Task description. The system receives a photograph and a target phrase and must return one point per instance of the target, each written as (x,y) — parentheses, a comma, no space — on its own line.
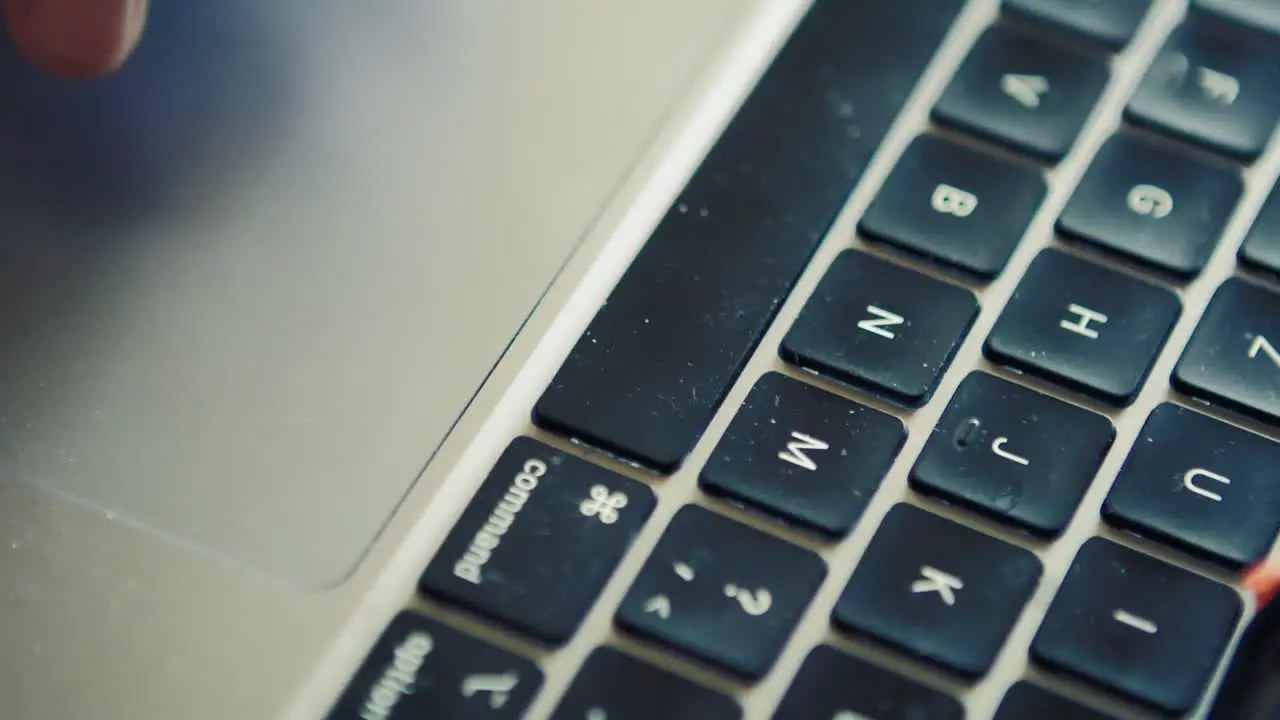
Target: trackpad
(247,285)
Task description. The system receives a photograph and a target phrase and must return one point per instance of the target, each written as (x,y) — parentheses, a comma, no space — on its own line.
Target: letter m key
(1264,347)
(798,449)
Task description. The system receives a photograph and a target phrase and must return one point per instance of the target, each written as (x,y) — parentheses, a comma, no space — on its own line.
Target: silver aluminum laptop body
(275,298)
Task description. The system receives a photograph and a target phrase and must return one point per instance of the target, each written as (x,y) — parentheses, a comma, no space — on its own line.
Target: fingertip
(76,38)
(1263,581)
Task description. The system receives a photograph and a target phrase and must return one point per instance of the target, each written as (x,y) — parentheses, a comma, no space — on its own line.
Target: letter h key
(1083,316)
(1089,328)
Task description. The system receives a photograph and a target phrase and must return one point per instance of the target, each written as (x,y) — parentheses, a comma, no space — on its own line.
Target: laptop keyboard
(1146,609)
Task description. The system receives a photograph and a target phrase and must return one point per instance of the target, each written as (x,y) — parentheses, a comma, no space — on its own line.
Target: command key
(539,541)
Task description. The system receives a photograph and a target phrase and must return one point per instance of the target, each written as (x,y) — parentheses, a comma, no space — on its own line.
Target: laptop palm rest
(248,285)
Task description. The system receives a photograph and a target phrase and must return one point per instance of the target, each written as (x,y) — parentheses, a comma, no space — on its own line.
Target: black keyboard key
(1137,626)
(539,540)
(721,592)
(881,327)
(807,455)
(1014,454)
(1111,23)
(421,668)
(955,206)
(656,362)
(1156,205)
(1263,14)
(1024,92)
(832,684)
(1261,248)
(937,590)
(1201,485)
(1233,358)
(1025,700)
(1213,84)
(615,686)
(1093,330)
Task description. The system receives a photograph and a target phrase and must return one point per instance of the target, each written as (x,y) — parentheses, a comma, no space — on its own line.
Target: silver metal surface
(251,283)
(247,287)
(141,628)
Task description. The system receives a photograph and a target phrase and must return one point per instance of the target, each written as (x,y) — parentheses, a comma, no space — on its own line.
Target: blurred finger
(79,38)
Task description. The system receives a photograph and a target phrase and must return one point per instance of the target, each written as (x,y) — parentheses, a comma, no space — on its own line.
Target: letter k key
(934,580)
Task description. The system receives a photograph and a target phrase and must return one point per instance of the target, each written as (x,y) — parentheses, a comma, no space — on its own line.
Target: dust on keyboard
(1143,615)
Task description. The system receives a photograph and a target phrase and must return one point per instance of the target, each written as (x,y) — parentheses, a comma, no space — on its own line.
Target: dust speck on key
(1008,498)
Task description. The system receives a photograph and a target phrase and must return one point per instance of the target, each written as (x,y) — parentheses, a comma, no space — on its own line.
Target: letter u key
(1189,482)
